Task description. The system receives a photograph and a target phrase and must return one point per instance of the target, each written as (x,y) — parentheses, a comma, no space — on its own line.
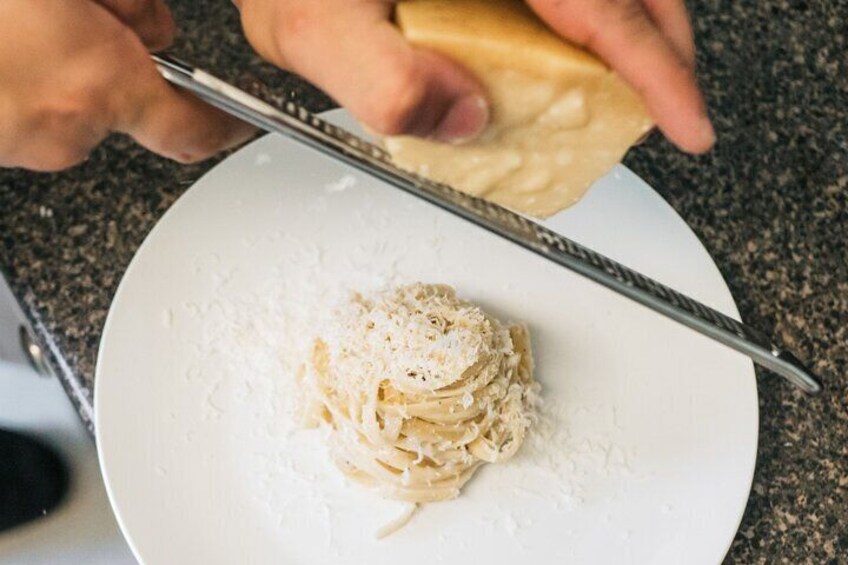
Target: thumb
(444,101)
(353,52)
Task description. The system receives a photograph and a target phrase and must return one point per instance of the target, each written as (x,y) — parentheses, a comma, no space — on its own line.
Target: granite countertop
(770,203)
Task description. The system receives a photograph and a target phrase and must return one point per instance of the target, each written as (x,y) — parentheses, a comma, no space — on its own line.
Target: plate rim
(341,114)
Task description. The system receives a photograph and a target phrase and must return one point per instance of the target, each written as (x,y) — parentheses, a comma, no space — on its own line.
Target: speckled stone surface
(770,203)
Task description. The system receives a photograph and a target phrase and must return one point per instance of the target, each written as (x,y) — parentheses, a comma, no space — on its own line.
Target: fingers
(350,49)
(622,33)
(180,127)
(672,19)
(49,147)
(165,121)
(133,99)
(173,123)
(150,19)
(93,77)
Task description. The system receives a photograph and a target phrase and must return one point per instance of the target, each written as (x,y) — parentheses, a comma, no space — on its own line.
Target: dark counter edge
(80,397)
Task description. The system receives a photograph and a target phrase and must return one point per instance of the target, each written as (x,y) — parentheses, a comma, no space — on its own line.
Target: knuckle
(56,158)
(295,28)
(73,113)
(61,134)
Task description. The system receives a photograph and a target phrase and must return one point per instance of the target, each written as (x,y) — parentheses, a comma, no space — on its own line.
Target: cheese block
(560,117)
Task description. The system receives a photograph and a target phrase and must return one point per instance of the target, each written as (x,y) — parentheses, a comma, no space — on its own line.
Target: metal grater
(297,123)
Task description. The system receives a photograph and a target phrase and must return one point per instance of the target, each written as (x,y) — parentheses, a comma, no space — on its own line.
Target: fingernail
(464,121)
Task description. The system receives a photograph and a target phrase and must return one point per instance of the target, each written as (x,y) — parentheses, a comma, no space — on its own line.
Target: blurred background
(81,529)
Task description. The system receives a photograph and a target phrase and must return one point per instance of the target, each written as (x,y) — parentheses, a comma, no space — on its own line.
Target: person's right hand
(72,71)
(351,50)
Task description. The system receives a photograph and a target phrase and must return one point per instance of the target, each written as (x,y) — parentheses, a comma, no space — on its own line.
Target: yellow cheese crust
(560,117)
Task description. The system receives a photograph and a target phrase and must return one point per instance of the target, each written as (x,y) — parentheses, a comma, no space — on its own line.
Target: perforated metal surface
(297,123)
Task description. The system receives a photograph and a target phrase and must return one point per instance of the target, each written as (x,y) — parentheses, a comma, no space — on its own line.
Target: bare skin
(350,49)
(60,98)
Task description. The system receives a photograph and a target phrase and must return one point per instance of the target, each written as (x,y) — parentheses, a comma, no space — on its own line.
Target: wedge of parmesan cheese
(560,118)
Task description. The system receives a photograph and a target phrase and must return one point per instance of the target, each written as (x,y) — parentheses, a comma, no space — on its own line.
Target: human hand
(351,50)
(72,71)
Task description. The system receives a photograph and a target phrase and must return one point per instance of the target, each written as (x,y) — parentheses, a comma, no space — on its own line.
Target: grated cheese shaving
(420,388)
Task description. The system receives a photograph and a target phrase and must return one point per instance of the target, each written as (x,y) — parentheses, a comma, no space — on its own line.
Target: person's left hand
(73,71)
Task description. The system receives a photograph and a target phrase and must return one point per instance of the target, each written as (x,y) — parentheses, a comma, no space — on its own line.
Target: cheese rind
(560,117)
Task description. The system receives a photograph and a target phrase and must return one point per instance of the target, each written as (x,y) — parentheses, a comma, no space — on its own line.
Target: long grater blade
(295,122)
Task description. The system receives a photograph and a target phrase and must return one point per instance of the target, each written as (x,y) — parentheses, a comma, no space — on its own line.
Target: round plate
(644,451)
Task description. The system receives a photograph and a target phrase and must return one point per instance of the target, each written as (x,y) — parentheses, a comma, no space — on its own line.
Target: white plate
(649,436)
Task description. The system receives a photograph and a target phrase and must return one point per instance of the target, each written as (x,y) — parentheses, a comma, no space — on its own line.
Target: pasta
(419,388)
